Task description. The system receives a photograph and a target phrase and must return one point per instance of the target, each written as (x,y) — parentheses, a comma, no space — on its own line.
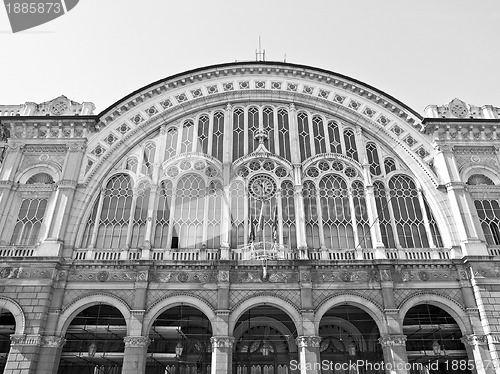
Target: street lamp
(352,349)
(178,349)
(92,349)
(436,347)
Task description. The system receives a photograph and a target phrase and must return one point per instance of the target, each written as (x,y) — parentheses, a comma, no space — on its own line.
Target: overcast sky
(421,52)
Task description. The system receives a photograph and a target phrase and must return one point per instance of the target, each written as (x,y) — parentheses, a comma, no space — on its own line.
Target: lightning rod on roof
(260,55)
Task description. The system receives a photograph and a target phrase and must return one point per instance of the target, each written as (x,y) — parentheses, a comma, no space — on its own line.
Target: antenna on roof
(260,55)
(285,58)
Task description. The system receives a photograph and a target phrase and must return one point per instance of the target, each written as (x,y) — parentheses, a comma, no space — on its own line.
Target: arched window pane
(489,215)
(333,133)
(373,160)
(218,136)
(284,134)
(214,214)
(115,213)
(267,207)
(189,211)
(203,127)
(140,216)
(335,213)
(89,228)
(319,135)
(132,164)
(187,137)
(163,215)
(29,221)
(171,145)
(384,217)
(237,214)
(350,144)
(389,165)
(304,142)
(436,235)
(268,125)
(288,214)
(238,134)
(407,212)
(253,127)
(361,215)
(311,215)
(148,159)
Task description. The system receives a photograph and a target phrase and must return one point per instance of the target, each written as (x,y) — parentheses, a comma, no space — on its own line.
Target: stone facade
(60,159)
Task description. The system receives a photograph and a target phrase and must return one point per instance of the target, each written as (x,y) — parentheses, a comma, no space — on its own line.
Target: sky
(421,52)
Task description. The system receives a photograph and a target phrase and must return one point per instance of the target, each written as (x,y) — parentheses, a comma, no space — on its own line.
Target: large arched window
(253,127)
(187,137)
(214,214)
(288,215)
(238,217)
(350,144)
(311,215)
(319,135)
(304,142)
(29,221)
(203,134)
(284,134)
(238,133)
(140,215)
(115,213)
(171,146)
(148,158)
(218,135)
(162,223)
(189,211)
(268,125)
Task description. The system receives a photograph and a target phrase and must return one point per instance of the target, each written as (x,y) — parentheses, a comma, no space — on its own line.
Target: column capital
(136,341)
(392,340)
(474,339)
(52,341)
(222,341)
(308,341)
(25,340)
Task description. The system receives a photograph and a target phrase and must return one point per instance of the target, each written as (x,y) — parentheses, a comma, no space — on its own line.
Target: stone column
(135,354)
(395,358)
(50,354)
(23,354)
(479,355)
(309,357)
(222,354)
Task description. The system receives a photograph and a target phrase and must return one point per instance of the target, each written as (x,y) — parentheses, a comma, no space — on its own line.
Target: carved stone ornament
(136,341)
(53,341)
(392,340)
(222,341)
(29,340)
(278,278)
(474,339)
(103,276)
(308,341)
(223,276)
(423,275)
(183,277)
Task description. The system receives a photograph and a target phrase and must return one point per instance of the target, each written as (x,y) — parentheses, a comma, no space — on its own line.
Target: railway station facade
(249,218)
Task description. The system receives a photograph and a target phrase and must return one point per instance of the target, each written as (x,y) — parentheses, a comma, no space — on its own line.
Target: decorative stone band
(136,341)
(392,340)
(474,339)
(25,340)
(222,341)
(308,341)
(53,341)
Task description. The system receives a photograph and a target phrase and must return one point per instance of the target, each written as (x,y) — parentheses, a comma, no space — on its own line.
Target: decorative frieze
(53,341)
(222,341)
(25,340)
(136,341)
(308,341)
(474,339)
(392,340)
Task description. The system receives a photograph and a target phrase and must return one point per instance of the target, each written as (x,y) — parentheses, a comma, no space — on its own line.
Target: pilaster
(309,354)
(477,352)
(395,357)
(135,354)
(23,354)
(50,354)
(222,354)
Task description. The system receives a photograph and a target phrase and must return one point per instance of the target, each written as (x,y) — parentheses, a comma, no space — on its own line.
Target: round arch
(90,300)
(174,301)
(366,305)
(487,171)
(37,169)
(283,305)
(351,328)
(442,302)
(16,311)
(279,326)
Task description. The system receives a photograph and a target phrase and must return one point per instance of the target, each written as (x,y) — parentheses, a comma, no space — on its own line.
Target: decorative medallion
(59,106)
(103,276)
(262,187)
(183,277)
(458,108)
(423,275)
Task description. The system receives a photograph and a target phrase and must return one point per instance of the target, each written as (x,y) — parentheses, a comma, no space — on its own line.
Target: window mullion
(131,218)
(327,135)
(393,220)
(319,212)
(353,217)
(210,133)
(427,225)
(171,218)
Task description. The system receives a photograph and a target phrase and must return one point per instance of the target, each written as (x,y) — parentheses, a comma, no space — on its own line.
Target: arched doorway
(94,342)
(7,328)
(349,335)
(264,342)
(180,342)
(433,341)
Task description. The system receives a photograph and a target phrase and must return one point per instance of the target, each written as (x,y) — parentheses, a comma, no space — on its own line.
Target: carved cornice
(474,340)
(222,341)
(308,341)
(136,341)
(392,340)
